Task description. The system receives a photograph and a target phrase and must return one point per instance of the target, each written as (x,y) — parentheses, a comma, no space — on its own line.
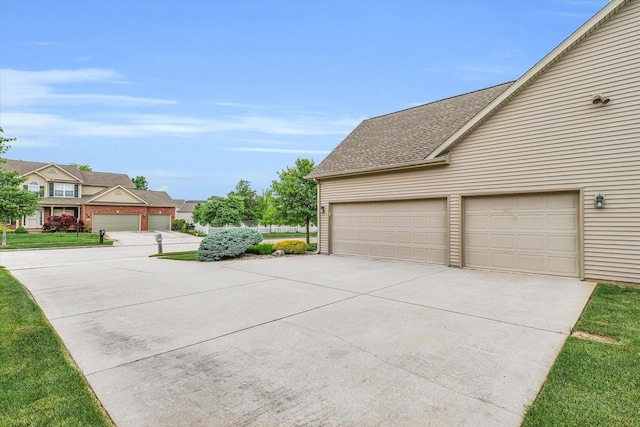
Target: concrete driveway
(308,340)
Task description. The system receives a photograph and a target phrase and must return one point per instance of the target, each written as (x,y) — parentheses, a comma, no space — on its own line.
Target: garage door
(159,222)
(116,222)
(408,230)
(535,233)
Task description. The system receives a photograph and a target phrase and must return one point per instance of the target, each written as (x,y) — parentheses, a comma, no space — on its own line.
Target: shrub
(179,225)
(227,243)
(21,230)
(263,249)
(62,223)
(291,246)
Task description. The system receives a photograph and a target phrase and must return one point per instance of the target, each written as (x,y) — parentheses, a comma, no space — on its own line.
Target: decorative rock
(278,253)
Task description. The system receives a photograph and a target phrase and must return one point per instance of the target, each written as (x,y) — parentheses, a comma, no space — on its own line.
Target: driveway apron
(306,340)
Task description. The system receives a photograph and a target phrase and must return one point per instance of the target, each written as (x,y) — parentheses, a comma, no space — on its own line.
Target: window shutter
(51,189)
(75,191)
(25,187)
(41,191)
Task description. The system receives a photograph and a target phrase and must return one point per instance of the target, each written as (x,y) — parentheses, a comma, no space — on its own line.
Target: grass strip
(178,256)
(595,383)
(52,240)
(40,384)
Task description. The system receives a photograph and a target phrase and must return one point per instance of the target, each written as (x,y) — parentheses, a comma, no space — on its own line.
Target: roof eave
(527,78)
(440,161)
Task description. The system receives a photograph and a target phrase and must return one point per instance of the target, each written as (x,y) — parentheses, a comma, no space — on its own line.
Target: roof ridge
(439,100)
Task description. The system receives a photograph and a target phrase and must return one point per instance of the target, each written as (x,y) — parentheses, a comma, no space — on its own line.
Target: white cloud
(40,88)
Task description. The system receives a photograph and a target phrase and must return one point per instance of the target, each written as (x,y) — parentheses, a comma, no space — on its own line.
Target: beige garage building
(540,175)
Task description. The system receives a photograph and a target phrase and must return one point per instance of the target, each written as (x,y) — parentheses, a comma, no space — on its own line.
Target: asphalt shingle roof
(104,179)
(405,136)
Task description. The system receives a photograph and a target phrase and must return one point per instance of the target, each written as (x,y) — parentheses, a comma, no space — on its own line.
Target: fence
(263,229)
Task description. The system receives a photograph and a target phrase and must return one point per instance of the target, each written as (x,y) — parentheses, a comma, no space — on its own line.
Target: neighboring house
(541,175)
(185,208)
(102,200)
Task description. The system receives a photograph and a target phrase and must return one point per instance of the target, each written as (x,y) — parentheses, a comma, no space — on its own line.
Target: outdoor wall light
(321,209)
(600,99)
(599,202)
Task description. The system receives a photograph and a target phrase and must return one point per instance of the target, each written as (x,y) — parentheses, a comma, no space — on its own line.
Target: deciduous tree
(219,211)
(140,182)
(85,168)
(15,202)
(295,197)
(249,199)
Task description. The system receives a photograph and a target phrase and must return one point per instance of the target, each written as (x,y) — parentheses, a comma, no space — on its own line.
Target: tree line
(291,200)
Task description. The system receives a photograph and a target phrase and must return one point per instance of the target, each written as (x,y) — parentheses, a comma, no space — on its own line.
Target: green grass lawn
(52,240)
(178,256)
(39,383)
(595,383)
(193,255)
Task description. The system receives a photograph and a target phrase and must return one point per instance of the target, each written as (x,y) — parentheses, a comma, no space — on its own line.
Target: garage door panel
(562,222)
(531,243)
(409,230)
(437,239)
(116,222)
(531,222)
(420,237)
(562,243)
(535,233)
(159,222)
(375,221)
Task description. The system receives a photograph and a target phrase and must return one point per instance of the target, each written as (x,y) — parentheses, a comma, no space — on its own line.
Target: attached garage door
(408,230)
(116,222)
(159,222)
(534,233)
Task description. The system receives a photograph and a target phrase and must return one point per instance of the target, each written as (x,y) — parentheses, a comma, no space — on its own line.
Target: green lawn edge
(52,240)
(593,383)
(40,385)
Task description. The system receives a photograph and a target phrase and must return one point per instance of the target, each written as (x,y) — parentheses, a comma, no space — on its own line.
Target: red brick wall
(144,211)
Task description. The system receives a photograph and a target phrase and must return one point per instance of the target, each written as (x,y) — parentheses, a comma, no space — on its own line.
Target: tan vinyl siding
(550,138)
(90,190)
(117,196)
(455,247)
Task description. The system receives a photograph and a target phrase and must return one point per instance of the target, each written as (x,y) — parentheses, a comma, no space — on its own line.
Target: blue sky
(198,94)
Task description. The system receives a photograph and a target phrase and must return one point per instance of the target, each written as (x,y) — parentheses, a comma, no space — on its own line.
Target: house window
(34,187)
(63,190)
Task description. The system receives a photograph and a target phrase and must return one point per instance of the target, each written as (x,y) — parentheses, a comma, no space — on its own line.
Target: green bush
(179,225)
(312,247)
(291,246)
(227,243)
(263,249)
(21,230)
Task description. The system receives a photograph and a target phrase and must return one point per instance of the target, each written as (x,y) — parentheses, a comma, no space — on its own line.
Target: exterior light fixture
(599,202)
(321,209)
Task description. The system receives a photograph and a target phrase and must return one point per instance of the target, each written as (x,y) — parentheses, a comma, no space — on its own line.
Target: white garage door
(533,233)
(159,222)
(116,222)
(408,230)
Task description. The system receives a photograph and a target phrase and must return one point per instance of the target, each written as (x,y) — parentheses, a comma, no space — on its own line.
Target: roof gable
(117,194)
(613,7)
(423,135)
(53,172)
(405,136)
(69,173)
